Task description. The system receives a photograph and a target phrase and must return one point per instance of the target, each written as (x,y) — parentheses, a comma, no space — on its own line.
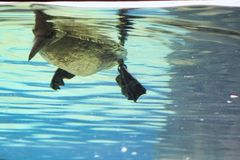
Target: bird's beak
(39,42)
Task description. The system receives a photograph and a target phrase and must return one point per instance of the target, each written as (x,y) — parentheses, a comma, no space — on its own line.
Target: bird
(78,49)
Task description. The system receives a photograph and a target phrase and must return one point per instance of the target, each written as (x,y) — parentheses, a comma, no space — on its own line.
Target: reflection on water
(186,57)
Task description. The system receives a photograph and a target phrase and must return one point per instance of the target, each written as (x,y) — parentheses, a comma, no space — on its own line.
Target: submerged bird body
(81,57)
(79,49)
(81,53)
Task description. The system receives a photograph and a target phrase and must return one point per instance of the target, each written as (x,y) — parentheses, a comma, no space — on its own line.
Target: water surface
(187,58)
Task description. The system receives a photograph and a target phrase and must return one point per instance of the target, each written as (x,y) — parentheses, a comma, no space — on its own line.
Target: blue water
(187,58)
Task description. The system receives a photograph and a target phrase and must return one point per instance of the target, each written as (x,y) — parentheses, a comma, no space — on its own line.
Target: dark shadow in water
(206,120)
(125,24)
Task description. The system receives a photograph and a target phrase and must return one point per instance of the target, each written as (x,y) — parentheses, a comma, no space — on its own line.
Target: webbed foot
(130,87)
(58,77)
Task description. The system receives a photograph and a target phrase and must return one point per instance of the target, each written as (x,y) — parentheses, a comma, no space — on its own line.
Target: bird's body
(82,57)
(79,49)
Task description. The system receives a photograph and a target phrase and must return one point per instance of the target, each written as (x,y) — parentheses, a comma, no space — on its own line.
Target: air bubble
(134,153)
(234,96)
(124,149)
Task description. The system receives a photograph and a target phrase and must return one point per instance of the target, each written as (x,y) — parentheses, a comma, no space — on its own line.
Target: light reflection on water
(186,57)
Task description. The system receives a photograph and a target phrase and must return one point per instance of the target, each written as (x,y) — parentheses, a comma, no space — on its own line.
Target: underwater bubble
(124,149)
(234,96)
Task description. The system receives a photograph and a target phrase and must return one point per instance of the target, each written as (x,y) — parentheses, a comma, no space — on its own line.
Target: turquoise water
(187,58)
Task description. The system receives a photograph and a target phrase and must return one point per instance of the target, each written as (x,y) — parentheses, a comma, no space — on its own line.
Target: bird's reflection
(78,49)
(124,25)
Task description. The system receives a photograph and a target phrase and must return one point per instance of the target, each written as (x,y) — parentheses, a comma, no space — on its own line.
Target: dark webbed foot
(58,77)
(130,87)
